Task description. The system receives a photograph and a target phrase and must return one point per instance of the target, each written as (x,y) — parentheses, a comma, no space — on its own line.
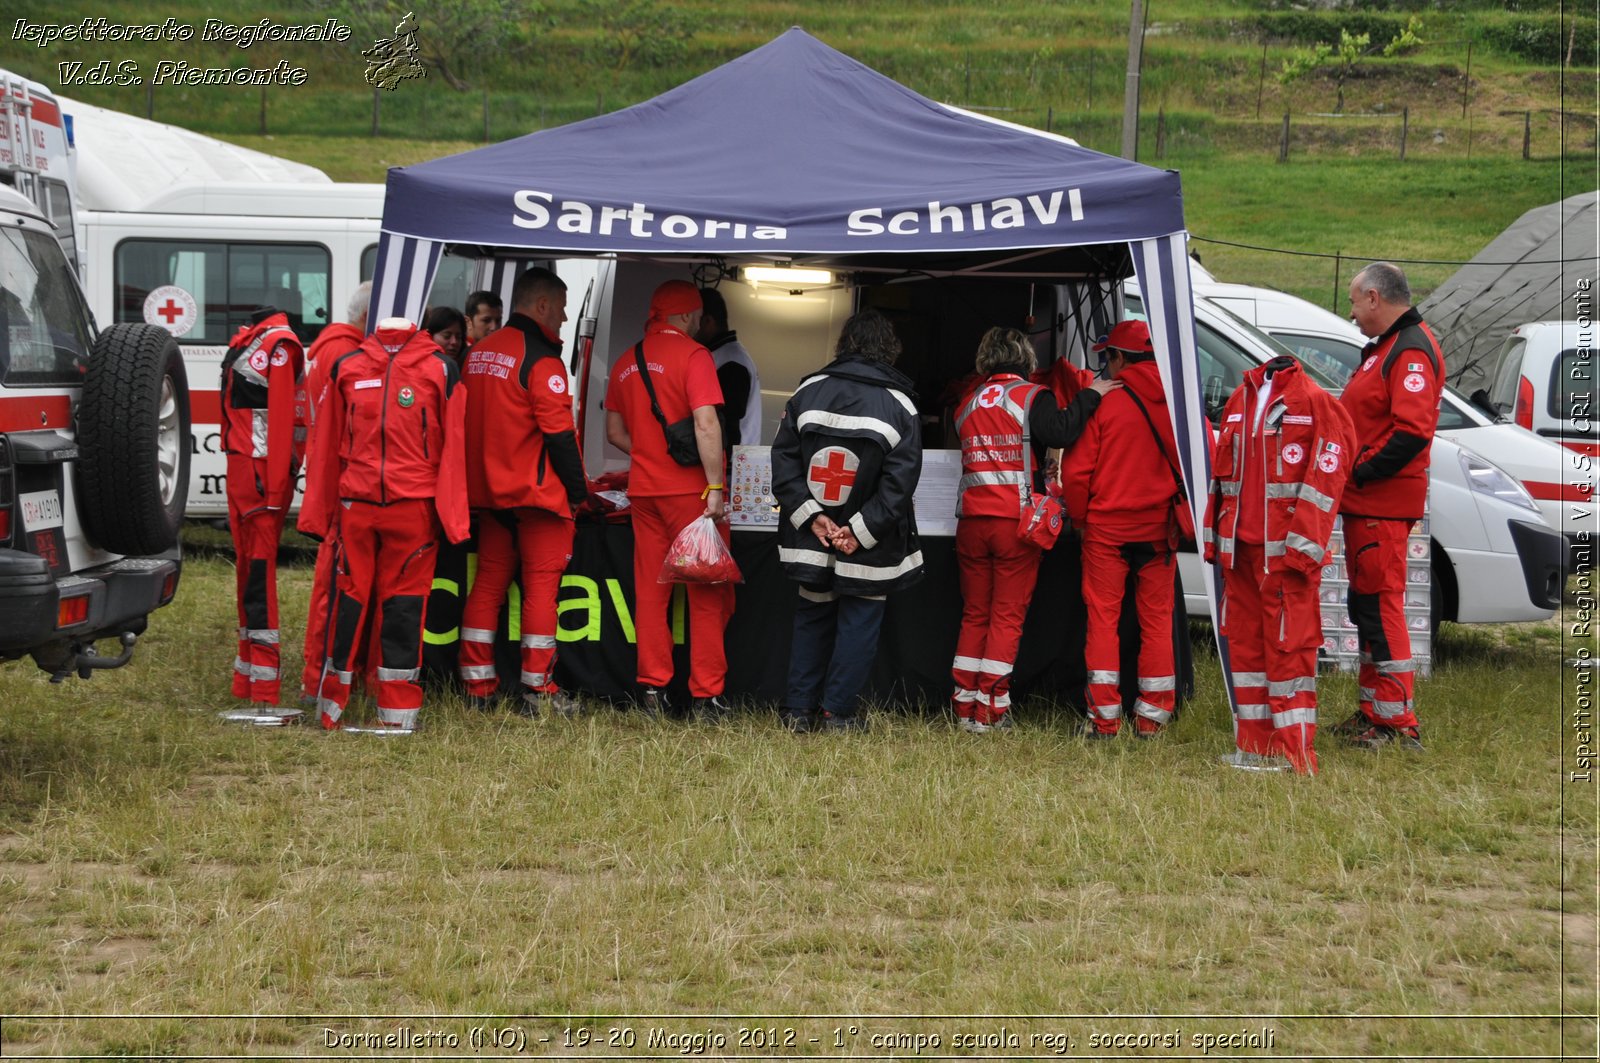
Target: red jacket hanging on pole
(1283,454)
(389,465)
(263,413)
(1278,484)
(263,403)
(391,428)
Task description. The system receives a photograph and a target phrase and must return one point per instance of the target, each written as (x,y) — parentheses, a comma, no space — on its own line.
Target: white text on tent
(579,217)
(1004,213)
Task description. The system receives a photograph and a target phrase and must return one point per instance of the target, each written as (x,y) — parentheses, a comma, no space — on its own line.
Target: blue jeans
(835,642)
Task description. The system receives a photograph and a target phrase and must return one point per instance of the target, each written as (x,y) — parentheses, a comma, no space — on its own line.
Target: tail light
(1523,414)
(72,611)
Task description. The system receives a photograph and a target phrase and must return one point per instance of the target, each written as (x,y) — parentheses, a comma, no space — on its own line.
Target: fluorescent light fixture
(785,276)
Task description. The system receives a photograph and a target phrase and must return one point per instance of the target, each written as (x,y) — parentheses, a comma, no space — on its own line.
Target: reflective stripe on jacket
(993,430)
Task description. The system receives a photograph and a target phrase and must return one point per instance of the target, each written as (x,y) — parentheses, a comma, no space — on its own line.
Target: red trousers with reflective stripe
(256,531)
(1274,626)
(656,522)
(386,560)
(324,582)
(998,571)
(536,544)
(1375,554)
(1105,576)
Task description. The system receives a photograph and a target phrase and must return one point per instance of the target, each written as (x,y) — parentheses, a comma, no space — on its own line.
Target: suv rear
(94,461)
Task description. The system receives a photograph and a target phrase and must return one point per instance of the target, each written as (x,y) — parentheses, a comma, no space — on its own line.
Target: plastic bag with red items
(698,555)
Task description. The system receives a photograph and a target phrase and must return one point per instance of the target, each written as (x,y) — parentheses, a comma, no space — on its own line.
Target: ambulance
(36,156)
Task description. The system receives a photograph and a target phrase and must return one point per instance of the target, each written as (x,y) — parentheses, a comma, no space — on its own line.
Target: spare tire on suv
(133,440)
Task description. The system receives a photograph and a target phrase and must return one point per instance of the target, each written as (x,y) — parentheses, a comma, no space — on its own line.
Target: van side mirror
(1480,399)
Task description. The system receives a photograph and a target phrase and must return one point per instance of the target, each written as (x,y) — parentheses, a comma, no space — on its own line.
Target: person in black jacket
(845,464)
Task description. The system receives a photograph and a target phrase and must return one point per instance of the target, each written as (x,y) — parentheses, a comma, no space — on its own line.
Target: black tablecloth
(596,654)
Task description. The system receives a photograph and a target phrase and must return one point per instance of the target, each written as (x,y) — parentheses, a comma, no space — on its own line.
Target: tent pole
(582,356)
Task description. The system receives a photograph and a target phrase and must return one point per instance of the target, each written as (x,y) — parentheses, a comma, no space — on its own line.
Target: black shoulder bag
(681,444)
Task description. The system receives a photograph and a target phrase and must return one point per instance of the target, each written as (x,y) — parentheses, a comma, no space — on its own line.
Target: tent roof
(791,151)
(130,163)
(1527,273)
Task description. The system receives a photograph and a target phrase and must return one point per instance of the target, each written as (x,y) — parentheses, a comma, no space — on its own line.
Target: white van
(1333,344)
(1495,557)
(192,234)
(1545,382)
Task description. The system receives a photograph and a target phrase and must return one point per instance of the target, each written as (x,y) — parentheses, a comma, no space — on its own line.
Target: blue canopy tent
(797,154)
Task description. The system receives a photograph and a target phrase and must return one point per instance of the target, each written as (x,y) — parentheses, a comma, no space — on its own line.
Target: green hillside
(1489,84)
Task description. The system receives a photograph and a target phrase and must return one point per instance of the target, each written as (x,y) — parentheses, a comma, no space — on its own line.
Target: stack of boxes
(1340,646)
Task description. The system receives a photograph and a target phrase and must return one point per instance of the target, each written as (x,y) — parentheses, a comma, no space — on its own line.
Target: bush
(1541,39)
(1313,27)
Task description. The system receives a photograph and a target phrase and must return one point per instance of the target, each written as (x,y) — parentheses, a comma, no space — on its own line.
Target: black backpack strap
(649,388)
(1183,492)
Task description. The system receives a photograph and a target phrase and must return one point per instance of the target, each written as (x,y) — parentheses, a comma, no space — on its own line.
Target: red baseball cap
(1131,336)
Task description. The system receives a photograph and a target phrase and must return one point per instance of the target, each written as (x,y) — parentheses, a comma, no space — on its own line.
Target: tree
(641,31)
(452,37)
(1351,51)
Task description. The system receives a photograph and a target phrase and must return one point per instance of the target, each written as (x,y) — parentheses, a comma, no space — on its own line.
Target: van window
(1572,390)
(1222,363)
(58,208)
(1503,396)
(44,336)
(227,281)
(1336,358)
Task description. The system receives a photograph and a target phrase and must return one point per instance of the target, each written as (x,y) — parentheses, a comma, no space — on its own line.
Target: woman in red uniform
(1004,417)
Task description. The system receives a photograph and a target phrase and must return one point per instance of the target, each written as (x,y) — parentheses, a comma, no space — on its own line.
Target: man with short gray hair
(1393,398)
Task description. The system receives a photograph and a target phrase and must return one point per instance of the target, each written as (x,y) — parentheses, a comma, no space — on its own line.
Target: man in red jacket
(263,418)
(388,464)
(1283,453)
(524,478)
(1118,487)
(331,344)
(666,495)
(1394,401)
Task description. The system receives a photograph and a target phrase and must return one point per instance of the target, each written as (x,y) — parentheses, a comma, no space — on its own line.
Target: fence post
(1283,140)
(1161,133)
(1527,133)
(1338,260)
(377,107)
(1049,119)
(1405,128)
(1466,82)
(263,110)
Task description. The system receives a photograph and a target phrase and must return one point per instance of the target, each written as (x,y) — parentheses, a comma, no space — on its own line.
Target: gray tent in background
(1527,273)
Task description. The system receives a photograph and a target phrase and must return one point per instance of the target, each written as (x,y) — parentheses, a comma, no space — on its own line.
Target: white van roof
(131,163)
(262,198)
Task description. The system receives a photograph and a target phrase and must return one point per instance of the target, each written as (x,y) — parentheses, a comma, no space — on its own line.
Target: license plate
(40,509)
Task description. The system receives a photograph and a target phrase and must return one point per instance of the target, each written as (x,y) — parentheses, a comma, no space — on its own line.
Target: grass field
(154,861)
